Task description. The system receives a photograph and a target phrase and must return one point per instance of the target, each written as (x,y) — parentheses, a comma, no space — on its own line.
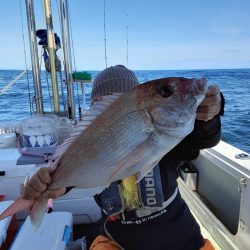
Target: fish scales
(99,157)
(119,140)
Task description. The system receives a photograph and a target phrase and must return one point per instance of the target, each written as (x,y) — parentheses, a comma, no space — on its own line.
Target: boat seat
(55,233)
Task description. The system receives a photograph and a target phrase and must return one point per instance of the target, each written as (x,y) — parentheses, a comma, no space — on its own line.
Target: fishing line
(105,35)
(59,59)
(58,13)
(127,18)
(74,61)
(71,39)
(25,57)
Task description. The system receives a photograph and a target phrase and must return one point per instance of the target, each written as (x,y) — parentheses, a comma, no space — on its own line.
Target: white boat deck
(207,235)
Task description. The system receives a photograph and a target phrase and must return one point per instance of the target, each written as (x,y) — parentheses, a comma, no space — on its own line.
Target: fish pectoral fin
(133,158)
(37,212)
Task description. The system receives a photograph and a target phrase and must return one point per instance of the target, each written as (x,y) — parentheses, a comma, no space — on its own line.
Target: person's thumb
(212,90)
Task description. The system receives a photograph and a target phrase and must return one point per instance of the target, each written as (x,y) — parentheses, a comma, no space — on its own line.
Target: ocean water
(233,83)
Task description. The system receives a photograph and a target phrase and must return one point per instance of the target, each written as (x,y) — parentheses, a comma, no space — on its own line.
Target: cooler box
(4,224)
(55,233)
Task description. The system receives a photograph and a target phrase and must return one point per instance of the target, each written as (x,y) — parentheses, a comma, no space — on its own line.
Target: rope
(14,81)
(105,35)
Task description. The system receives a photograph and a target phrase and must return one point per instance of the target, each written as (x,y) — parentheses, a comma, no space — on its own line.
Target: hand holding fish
(36,186)
(211,105)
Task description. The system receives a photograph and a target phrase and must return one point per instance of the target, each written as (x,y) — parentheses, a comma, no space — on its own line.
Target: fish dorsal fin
(95,110)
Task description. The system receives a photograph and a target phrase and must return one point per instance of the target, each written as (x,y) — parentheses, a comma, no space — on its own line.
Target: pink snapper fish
(122,135)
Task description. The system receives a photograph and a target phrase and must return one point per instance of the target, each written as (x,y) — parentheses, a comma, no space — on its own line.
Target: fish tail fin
(19,205)
(37,212)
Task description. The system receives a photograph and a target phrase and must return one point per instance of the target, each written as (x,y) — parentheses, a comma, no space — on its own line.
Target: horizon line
(177,69)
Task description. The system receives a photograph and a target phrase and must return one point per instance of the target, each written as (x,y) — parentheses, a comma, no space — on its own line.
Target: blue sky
(163,34)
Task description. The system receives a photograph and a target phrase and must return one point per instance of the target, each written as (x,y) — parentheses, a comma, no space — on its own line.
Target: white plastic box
(55,233)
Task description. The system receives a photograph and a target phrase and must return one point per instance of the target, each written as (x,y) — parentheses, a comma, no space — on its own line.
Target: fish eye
(166,91)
